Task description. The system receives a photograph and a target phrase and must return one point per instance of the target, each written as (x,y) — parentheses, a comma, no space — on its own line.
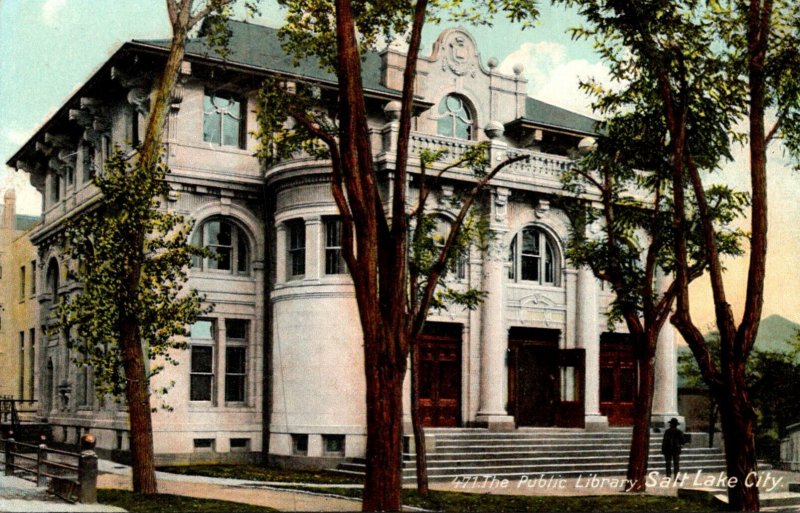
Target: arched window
(440,235)
(533,258)
(455,117)
(229,243)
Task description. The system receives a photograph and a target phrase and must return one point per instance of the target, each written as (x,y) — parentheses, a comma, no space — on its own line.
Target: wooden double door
(618,378)
(439,397)
(545,383)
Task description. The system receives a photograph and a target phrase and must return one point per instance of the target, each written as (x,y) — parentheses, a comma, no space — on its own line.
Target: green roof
(260,47)
(257,46)
(23,223)
(545,114)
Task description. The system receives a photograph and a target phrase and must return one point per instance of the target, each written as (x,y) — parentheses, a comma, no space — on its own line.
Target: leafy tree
(134,257)
(771,378)
(337,32)
(629,171)
(707,67)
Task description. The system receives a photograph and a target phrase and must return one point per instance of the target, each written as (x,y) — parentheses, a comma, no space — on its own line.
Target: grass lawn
(174,503)
(452,501)
(263,473)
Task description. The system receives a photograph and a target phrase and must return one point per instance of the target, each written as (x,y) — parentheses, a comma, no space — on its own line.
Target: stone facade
(277,367)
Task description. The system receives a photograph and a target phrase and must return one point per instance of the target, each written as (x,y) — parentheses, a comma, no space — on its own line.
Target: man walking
(671,446)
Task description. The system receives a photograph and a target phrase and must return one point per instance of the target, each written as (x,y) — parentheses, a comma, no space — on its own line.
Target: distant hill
(775,334)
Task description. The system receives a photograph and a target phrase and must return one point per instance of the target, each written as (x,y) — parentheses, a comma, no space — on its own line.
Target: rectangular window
(88,163)
(240,444)
(334,263)
(55,188)
(235,360)
(300,444)
(201,378)
(297,247)
(32,364)
(33,277)
(21,364)
(235,373)
(333,445)
(204,445)
(223,120)
(22,283)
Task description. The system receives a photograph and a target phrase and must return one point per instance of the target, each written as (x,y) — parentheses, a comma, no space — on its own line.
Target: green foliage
(771,379)
(633,162)
(310,29)
(100,242)
(281,136)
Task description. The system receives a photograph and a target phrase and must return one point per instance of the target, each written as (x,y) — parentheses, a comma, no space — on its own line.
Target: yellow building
(18,303)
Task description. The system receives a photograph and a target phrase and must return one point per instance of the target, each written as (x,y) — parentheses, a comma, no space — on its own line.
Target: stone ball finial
(494,129)
(492,62)
(587,145)
(518,68)
(88,442)
(392,110)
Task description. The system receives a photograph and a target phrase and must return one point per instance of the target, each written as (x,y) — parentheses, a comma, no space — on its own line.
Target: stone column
(494,335)
(588,338)
(665,390)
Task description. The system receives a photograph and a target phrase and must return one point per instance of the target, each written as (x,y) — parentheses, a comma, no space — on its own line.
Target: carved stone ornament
(459,53)
(501,203)
(496,249)
(542,208)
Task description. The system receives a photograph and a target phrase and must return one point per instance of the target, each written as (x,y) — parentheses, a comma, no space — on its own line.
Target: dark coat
(673,441)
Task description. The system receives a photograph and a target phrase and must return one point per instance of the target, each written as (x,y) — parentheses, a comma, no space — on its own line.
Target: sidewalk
(235,490)
(17,494)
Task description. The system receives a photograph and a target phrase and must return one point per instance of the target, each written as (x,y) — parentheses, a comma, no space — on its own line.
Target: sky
(48,48)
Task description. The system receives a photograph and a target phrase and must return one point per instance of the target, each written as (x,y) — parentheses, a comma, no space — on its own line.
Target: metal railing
(13,413)
(71,476)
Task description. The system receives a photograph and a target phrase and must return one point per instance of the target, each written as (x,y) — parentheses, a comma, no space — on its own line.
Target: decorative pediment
(536,300)
(457,52)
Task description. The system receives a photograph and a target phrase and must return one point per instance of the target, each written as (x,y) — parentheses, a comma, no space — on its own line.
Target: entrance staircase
(534,452)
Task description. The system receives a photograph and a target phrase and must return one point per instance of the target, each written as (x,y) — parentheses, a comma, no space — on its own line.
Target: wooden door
(571,409)
(440,375)
(533,381)
(618,378)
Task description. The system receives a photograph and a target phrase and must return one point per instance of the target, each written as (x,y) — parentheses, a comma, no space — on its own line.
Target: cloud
(554,79)
(29,201)
(17,137)
(50,10)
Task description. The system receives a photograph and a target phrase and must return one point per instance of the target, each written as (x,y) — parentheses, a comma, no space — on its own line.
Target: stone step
(549,452)
(567,455)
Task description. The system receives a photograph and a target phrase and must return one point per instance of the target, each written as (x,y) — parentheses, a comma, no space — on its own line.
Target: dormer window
(223,120)
(455,117)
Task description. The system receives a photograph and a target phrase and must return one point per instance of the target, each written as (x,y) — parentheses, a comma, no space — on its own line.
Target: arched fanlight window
(229,243)
(533,258)
(455,117)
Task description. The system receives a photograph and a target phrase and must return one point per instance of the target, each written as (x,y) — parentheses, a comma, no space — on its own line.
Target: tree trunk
(738,421)
(419,433)
(640,439)
(141,424)
(383,480)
